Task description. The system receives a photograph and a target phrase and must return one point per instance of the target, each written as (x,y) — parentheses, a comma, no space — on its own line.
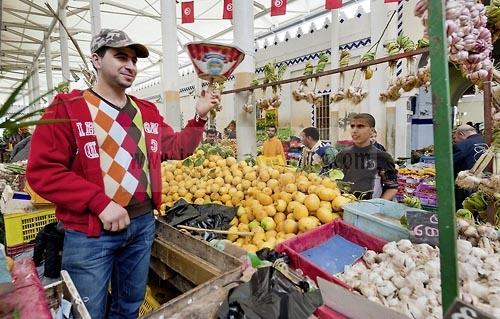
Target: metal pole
(335,79)
(488,137)
(334,71)
(95,16)
(63,39)
(377,83)
(48,64)
(443,152)
(170,65)
(244,74)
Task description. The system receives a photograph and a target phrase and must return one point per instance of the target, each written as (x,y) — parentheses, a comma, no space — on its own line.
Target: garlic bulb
(406,277)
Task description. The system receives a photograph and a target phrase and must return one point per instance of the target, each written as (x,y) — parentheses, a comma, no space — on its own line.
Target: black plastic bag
(269,295)
(209,216)
(48,248)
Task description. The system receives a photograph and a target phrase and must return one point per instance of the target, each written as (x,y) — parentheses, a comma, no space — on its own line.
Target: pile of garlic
(406,277)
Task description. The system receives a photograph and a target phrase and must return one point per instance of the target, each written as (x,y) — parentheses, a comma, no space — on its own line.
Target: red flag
(187,12)
(333,4)
(228,9)
(278,7)
(389,1)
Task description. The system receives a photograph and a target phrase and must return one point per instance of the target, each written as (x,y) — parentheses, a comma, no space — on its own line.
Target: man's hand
(114,217)
(207,100)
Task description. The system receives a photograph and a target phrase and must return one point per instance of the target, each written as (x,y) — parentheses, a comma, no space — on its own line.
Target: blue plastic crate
(428,159)
(379,217)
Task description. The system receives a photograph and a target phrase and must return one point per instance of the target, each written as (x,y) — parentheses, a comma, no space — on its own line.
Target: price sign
(423,227)
(461,310)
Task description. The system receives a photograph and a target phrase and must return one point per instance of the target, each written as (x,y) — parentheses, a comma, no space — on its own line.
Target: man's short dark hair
(273,126)
(211,131)
(312,132)
(364,116)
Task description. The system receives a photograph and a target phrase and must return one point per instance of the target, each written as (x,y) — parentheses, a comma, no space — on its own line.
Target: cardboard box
(15,202)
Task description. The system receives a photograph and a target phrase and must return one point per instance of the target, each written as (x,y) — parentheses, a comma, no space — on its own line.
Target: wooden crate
(203,273)
(66,288)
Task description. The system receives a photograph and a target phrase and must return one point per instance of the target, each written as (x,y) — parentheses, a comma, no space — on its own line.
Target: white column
(63,39)
(244,74)
(48,65)
(334,58)
(95,16)
(378,83)
(30,87)
(36,84)
(170,65)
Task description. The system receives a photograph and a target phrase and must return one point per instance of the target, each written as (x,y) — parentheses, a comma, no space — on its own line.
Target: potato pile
(274,203)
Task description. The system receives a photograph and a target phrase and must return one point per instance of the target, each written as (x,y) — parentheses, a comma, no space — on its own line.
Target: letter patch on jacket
(91,150)
(154,145)
(88,130)
(151,127)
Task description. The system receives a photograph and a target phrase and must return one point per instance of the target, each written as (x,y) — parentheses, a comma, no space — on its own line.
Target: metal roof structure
(24,24)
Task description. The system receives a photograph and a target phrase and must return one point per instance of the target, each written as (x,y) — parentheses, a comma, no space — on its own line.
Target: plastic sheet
(334,254)
(28,300)
(209,216)
(300,243)
(269,295)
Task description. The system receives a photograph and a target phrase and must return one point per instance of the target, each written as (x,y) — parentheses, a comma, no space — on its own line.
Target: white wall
(297,115)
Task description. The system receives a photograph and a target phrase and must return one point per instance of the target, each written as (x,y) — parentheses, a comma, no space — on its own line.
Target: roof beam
(32,4)
(77,10)
(16,57)
(25,18)
(22,35)
(19,41)
(18,52)
(49,30)
(23,26)
(1,22)
(149,15)
(11,10)
(10,78)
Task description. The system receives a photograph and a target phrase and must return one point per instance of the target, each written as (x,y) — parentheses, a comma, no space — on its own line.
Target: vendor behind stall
(371,171)
(273,146)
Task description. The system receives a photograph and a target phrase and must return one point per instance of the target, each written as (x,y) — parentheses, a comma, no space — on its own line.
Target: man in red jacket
(101,167)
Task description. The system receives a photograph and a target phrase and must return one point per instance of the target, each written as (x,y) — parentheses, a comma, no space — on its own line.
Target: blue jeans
(122,257)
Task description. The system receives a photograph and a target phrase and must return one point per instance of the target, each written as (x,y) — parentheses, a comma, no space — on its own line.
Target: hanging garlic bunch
(469,40)
(356,94)
(392,92)
(248,106)
(340,94)
(300,94)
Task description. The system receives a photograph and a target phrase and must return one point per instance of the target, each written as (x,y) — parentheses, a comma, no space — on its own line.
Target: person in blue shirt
(467,149)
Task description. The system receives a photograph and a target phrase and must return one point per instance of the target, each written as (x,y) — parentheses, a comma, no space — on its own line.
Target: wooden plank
(161,269)
(201,302)
(181,283)
(182,261)
(221,260)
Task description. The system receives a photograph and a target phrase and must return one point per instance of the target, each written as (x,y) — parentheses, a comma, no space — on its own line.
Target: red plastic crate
(325,312)
(296,245)
(18,249)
